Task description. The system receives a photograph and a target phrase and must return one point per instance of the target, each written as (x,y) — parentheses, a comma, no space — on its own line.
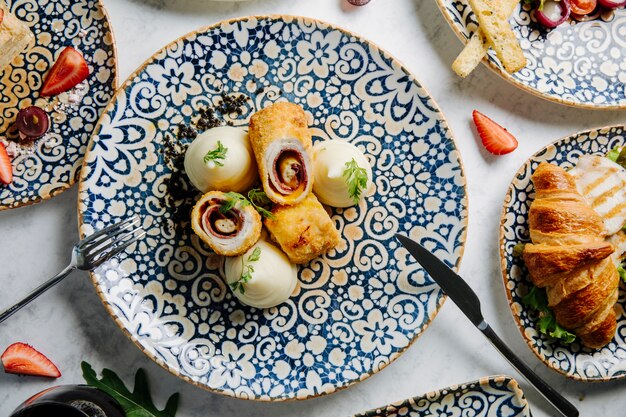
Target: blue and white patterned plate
(357,308)
(582,64)
(574,361)
(495,396)
(53,165)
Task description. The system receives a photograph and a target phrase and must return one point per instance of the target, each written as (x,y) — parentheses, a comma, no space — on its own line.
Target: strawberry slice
(6,170)
(23,359)
(495,138)
(69,71)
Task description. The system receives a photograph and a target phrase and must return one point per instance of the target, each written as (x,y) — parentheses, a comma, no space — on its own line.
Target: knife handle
(550,394)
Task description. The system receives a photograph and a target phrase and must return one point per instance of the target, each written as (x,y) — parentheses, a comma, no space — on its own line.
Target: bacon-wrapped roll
(228,233)
(304,231)
(281,140)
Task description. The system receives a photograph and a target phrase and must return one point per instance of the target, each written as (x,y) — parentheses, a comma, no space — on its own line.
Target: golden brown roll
(304,231)
(228,233)
(281,141)
(570,258)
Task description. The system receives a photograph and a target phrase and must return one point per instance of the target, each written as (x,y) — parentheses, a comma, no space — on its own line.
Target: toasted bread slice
(478,45)
(15,37)
(495,26)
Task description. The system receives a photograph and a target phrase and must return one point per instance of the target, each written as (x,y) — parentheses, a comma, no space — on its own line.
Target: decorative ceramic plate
(357,308)
(579,63)
(53,165)
(495,396)
(574,361)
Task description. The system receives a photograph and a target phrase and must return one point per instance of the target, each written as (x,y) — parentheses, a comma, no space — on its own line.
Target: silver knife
(467,300)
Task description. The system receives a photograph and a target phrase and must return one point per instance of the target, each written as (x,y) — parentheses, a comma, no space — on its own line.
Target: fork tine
(110,240)
(110,229)
(111,251)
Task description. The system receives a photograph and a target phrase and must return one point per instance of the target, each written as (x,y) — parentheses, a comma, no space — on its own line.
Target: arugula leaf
(613,154)
(356,178)
(260,201)
(135,404)
(215,154)
(622,272)
(518,249)
(537,299)
(232,199)
(247,270)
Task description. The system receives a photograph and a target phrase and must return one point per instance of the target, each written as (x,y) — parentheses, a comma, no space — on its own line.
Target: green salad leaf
(135,404)
(618,155)
(622,272)
(537,299)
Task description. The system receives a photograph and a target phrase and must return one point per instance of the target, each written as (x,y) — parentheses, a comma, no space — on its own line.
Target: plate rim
(507,77)
(481,382)
(82,188)
(505,272)
(76,178)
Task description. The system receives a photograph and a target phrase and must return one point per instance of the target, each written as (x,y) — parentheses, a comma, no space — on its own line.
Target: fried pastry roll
(304,231)
(229,232)
(281,140)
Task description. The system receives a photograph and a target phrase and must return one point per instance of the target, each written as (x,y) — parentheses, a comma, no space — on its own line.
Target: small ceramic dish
(53,164)
(574,360)
(578,63)
(357,308)
(494,396)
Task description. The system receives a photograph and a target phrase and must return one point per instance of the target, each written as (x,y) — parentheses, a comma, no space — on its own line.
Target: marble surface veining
(70,324)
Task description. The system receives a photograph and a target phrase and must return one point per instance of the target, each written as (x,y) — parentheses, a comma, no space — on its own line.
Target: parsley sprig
(216,154)
(257,198)
(232,199)
(356,179)
(261,202)
(537,299)
(246,271)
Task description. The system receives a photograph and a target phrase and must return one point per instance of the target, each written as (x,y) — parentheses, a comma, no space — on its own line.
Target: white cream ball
(329,164)
(235,169)
(273,277)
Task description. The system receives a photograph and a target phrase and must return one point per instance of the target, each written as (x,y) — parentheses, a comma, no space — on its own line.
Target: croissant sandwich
(570,258)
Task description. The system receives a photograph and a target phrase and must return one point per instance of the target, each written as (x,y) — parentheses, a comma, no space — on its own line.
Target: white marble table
(70,324)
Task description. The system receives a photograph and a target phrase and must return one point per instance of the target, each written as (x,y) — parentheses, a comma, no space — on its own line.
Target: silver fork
(88,254)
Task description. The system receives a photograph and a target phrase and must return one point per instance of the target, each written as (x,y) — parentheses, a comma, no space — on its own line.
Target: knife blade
(469,304)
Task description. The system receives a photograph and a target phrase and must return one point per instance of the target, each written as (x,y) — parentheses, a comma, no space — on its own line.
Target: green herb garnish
(618,155)
(232,199)
(247,270)
(622,272)
(216,154)
(261,202)
(356,178)
(135,404)
(538,300)
(518,249)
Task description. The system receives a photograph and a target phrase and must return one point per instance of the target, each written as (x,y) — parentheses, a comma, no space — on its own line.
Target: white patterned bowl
(493,396)
(357,308)
(574,361)
(48,171)
(581,64)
